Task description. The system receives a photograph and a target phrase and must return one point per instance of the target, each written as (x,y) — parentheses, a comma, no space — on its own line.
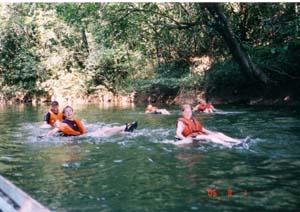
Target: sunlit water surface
(141,172)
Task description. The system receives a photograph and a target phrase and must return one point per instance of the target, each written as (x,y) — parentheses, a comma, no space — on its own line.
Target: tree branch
(281,72)
(176,24)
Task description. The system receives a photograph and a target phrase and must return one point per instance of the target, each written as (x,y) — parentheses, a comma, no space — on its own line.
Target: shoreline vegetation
(172,53)
(133,98)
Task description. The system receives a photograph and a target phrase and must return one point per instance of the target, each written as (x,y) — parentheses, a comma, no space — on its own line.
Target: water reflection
(191,161)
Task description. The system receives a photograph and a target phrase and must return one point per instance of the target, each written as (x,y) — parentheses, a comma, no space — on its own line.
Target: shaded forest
(244,53)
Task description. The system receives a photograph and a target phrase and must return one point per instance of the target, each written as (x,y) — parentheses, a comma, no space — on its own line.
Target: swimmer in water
(204,107)
(72,126)
(154,110)
(52,116)
(189,128)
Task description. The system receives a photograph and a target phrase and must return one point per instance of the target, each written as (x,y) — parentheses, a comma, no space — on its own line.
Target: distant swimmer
(189,129)
(154,110)
(52,115)
(204,107)
(72,126)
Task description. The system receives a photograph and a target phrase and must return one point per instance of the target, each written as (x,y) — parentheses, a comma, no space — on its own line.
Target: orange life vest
(201,107)
(54,117)
(192,127)
(67,130)
(151,109)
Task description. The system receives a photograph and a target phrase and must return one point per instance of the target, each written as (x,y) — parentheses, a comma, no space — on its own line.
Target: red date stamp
(214,192)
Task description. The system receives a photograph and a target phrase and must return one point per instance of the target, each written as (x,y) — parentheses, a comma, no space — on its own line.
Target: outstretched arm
(179,135)
(52,132)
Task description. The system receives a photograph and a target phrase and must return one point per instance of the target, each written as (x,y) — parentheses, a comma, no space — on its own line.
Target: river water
(140,171)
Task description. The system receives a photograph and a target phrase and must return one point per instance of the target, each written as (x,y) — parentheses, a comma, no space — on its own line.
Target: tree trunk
(84,39)
(240,56)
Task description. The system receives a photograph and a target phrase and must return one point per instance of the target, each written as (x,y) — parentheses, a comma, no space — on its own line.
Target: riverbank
(190,97)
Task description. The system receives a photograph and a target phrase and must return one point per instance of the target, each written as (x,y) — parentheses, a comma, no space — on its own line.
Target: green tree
(20,64)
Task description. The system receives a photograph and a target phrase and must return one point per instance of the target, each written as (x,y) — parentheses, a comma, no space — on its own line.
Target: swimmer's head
(68,112)
(186,110)
(55,106)
(149,107)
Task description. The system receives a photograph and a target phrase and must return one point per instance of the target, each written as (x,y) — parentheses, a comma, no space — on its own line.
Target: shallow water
(140,172)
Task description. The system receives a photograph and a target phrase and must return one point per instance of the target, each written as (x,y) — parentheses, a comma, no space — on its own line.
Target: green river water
(138,171)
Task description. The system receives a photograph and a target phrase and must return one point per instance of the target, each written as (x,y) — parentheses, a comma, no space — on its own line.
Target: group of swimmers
(202,106)
(65,123)
(188,128)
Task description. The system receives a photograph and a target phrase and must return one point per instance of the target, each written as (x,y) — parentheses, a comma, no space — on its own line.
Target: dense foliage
(76,50)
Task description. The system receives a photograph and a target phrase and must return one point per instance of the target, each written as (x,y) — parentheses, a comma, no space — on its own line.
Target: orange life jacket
(201,107)
(67,130)
(54,117)
(151,109)
(192,127)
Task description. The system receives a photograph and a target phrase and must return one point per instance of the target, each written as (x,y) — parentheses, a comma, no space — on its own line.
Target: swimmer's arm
(45,125)
(179,130)
(47,118)
(46,122)
(57,123)
(52,132)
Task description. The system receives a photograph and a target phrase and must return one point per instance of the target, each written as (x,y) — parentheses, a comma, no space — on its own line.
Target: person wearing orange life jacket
(209,108)
(204,107)
(52,115)
(72,126)
(154,110)
(188,128)
(200,107)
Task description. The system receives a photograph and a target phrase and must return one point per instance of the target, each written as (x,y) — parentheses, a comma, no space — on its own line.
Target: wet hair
(67,108)
(185,106)
(54,103)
